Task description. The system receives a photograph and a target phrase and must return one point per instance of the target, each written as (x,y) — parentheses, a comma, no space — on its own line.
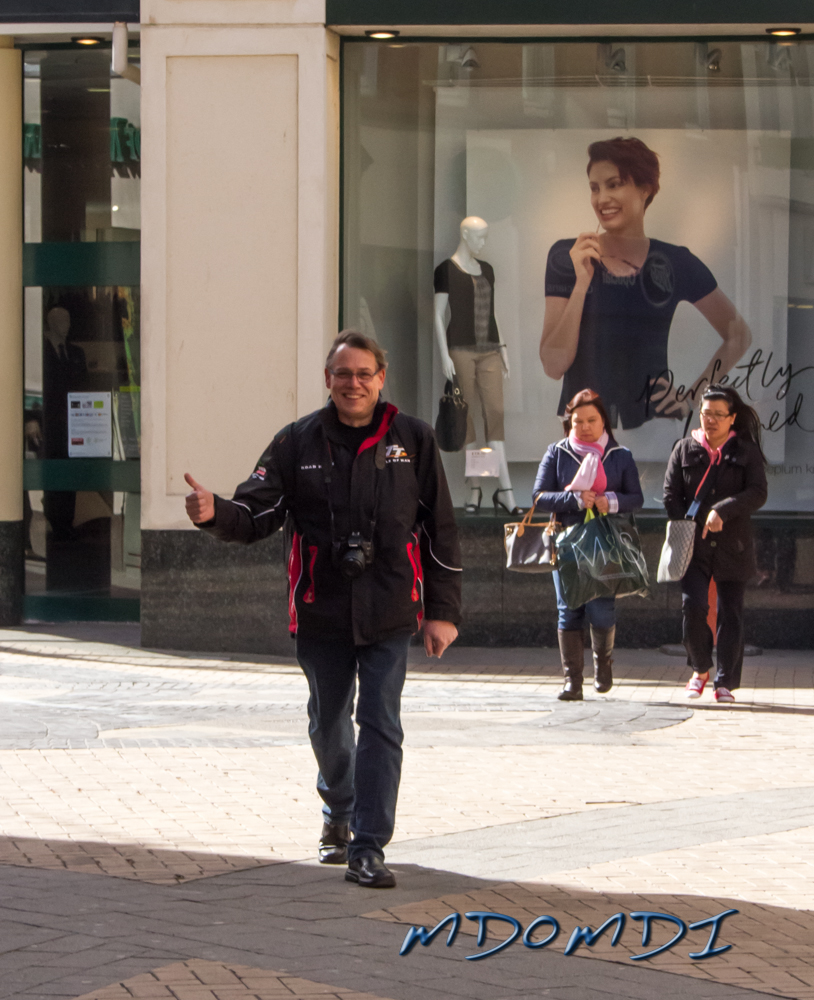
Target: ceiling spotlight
(713,62)
(86,40)
(783,32)
(382,33)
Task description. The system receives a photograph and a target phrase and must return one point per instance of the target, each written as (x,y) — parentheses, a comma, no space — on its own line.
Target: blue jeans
(358,783)
(601,612)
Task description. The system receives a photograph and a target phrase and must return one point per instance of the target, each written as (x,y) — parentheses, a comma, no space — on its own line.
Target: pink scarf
(591,473)
(714,453)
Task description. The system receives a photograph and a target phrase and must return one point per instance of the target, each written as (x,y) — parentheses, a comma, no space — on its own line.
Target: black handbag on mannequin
(450,425)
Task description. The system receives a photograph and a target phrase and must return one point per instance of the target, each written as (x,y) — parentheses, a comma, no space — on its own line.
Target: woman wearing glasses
(721,466)
(611,296)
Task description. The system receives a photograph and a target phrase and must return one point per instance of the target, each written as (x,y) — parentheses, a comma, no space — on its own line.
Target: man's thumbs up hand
(200,502)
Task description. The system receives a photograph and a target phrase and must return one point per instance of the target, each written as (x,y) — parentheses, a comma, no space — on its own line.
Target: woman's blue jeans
(358,782)
(601,612)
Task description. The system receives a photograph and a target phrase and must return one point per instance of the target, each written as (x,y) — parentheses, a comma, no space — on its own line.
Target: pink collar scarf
(699,436)
(714,453)
(591,473)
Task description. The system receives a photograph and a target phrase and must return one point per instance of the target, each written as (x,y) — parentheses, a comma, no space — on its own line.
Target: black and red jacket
(395,479)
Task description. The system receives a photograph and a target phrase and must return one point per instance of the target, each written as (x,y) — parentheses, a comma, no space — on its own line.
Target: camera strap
(327,478)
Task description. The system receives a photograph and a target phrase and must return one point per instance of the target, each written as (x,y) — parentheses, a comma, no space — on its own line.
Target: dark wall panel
(374,12)
(69,10)
(200,594)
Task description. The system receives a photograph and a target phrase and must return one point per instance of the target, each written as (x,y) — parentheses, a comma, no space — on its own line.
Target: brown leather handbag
(531,547)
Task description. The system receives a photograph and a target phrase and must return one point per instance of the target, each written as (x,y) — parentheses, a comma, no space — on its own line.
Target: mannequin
(469,345)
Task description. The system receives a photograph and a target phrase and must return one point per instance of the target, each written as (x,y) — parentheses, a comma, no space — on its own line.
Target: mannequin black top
(463,291)
(625,325)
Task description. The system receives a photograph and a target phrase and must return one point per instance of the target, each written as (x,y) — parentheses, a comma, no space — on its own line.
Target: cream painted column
(240,200)
(11,335)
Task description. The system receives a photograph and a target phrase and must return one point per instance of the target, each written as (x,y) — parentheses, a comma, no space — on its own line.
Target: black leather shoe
(371,872)
(333,844)
(572,691)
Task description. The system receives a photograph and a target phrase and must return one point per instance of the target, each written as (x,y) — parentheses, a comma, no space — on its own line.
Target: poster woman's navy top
(625,325)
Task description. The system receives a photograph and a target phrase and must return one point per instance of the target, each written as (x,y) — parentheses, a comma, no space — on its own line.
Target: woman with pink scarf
(586,470)
(717,476)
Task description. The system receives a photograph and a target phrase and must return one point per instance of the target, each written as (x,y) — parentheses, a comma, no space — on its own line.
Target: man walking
(374,557)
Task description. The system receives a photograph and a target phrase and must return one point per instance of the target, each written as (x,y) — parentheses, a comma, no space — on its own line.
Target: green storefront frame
(81,264)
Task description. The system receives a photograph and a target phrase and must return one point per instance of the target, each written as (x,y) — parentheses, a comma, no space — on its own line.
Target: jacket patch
(395,452)
(259,473)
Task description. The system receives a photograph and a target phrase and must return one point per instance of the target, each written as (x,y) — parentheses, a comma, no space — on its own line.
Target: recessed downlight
(783,32)
(87,40)
(382,33)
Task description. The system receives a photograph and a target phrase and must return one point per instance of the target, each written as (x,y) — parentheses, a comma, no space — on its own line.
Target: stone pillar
(11,336)
(240,196)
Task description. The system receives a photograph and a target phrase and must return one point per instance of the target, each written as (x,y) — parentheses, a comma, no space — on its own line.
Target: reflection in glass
(81,153)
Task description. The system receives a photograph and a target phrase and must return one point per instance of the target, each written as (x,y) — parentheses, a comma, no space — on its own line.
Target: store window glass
(82,348)
(718,282)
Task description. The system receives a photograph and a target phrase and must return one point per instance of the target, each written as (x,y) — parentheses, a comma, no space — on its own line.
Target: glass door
(82,360)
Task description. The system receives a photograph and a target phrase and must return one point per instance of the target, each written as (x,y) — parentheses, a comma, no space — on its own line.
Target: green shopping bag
(601,557)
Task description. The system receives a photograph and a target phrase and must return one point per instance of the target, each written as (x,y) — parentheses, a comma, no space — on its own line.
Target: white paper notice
(482,462)
(89,425)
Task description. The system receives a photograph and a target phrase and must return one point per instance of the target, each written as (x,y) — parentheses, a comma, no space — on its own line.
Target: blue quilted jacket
(558,468)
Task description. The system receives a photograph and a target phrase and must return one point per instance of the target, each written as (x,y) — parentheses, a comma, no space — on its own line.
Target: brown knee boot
(572,653)
(602,645)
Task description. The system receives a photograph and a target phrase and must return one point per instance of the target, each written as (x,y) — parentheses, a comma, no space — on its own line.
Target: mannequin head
(59,321)
(473,233)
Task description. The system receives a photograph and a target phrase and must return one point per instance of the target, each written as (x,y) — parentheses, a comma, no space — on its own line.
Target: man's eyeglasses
(345,375)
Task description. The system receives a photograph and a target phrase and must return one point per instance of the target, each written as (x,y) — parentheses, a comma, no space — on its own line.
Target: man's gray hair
(352,338)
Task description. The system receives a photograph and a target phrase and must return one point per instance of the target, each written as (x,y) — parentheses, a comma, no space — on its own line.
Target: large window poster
(708,296)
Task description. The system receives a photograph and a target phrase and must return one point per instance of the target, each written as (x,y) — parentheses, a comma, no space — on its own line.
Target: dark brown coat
(739,490)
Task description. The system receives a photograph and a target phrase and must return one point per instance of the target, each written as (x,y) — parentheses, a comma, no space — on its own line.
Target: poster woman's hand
(447,367)
(667,402)
(504,357)
(583,253)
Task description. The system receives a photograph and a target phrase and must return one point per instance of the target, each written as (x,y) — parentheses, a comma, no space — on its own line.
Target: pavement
(158,820)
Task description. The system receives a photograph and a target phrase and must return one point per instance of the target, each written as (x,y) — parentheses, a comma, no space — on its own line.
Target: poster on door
(90,425)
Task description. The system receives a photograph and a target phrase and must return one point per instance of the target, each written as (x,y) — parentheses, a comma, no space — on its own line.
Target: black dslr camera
(352,555)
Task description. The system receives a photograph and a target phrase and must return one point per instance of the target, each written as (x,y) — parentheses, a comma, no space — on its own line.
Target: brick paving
(218,981)
(139,787)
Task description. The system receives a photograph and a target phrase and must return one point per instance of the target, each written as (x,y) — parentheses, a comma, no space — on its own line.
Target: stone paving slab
(559,843)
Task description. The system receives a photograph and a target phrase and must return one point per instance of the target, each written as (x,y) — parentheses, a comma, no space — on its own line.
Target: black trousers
(698,639)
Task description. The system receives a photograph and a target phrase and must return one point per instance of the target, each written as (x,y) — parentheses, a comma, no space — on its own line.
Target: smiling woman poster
(664,262)
(611,295)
